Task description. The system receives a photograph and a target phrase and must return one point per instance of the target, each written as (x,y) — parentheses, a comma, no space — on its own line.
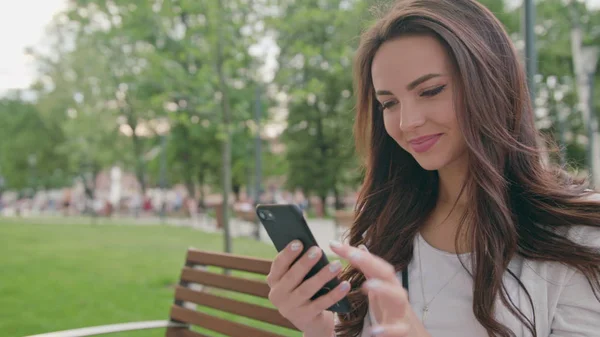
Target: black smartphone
(285,223)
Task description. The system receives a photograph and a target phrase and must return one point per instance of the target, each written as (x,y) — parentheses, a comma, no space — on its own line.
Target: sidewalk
(323,230)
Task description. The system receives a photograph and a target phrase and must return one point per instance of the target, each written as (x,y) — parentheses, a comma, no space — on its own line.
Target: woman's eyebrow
(411,86)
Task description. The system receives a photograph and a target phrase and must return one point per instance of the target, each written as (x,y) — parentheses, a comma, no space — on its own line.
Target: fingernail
(335,244)
(335,266)
(296,245)
(345,286)
(313,252)
(376,330)
(363,247)
(373,284)
(355,255)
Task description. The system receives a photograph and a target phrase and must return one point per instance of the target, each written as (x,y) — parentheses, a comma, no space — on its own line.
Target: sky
(22,24)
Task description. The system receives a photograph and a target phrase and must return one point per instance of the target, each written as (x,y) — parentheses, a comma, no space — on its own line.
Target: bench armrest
(113,328)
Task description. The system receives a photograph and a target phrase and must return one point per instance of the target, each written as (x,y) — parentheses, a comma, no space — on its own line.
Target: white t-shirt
(565,305)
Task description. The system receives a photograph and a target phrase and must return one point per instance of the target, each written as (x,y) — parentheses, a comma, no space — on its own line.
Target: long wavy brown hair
(520,205)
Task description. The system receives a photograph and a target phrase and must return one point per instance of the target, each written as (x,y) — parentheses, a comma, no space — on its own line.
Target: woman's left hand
(388,301)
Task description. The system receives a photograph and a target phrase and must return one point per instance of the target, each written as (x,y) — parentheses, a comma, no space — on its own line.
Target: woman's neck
(452,179)
(443,224)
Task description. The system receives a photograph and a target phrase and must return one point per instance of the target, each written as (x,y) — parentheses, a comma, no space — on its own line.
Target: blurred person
(148,207)
(462,228)
(177,202)
(192,207)
(135,204)
(66,201)
(301,201)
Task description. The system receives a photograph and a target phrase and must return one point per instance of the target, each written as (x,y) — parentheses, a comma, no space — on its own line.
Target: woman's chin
(438,160)
(430,163)
(431,167)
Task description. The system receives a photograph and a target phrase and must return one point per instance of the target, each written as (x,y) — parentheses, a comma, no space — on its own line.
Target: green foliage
(28,146)
(117,66)
(317,39)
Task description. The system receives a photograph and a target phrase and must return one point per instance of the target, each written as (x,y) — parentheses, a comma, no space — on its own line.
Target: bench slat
(173,332)
(246,286)
(229,261)
(245,309)
(232,329)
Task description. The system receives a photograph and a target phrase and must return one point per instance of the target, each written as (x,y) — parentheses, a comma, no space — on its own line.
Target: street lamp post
(1,191)
(32,161)
(163,173)
(258,157)
(530,51)
(589,62)
(163,129)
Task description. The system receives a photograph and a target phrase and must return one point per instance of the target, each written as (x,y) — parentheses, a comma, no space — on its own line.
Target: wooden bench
(249,216)
(343,220)
(214,286)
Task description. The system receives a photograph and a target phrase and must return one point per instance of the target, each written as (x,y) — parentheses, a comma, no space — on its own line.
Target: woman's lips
(423,144)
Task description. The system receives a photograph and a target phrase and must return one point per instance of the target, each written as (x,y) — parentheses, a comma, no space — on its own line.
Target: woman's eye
(433,92)
(387,104)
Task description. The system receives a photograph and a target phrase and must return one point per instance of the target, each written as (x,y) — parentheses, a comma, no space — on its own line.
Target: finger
(331,298)
(283,260)
(375,309)
(310,287)
(298,271)
(388,298)
(390,330)
(370,265)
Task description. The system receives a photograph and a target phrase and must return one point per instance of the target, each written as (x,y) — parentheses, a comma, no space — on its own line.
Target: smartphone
(285,223)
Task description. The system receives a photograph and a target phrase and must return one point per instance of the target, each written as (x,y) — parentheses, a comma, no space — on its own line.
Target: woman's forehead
(404,59)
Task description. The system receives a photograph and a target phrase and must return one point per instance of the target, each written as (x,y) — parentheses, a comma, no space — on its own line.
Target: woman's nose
(411,118)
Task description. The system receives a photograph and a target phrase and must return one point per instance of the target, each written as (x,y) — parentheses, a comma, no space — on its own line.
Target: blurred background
(125,126)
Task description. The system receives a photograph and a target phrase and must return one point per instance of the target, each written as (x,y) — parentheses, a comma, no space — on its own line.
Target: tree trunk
(226,129)
(88,195)
(323,199)
(139,163)
(201,180)
(237,188)
(339,201)
(187,175)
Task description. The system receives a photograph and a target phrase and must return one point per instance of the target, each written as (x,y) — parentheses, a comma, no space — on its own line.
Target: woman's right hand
(292,297)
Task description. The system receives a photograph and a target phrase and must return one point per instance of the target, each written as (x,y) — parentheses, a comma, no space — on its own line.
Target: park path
(324,230)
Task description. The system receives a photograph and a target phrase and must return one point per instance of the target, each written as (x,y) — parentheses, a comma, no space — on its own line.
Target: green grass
(63,276)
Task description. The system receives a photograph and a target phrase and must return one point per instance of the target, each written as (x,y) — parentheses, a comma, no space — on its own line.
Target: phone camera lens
(266,215)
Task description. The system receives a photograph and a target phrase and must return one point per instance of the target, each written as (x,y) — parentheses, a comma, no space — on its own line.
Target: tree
(28,146)
(124,37)
(72,94)
(317,40)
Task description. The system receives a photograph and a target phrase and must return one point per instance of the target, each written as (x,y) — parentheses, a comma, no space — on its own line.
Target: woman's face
(412,77)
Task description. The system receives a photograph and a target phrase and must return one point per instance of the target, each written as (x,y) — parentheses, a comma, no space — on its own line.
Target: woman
(458,204)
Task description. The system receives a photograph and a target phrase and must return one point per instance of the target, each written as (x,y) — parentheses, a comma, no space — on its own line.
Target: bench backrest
(233,304)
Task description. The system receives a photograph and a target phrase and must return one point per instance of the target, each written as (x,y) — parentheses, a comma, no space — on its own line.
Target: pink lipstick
(423,144)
